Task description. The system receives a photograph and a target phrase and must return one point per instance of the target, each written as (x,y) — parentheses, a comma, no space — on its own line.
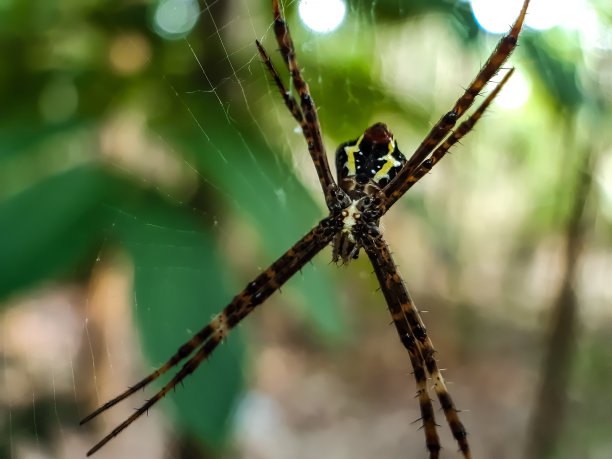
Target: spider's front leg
(305,113)
(409,174)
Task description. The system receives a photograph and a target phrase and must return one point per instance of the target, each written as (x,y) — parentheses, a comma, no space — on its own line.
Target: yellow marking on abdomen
(350,153)
(389,163)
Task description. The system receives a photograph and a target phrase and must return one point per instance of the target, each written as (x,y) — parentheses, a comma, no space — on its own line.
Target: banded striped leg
(416,360)
(207,339)
(395,291)
(290,101)
(432,441)
(313,136)
(457,134)
(403,180)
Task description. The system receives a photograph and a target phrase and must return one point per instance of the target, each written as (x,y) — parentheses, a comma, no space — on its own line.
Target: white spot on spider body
(350,219)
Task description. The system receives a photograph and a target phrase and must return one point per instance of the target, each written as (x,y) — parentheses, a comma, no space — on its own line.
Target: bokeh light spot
(515,93)
(129,53)
(545,14)
(322,15)
(174,19)
(497,16)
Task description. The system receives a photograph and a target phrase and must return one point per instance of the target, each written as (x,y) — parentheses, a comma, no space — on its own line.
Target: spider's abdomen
(369,163)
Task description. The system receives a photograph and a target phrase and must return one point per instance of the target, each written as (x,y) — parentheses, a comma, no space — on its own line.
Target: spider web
(223,186)
(210,182)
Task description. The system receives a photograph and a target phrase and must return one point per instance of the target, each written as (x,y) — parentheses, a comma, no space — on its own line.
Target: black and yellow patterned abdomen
(370,162)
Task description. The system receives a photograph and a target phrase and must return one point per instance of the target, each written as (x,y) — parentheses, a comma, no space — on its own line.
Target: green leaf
(49,228)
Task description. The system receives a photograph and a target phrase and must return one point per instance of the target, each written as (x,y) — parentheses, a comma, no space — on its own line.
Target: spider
(372,175)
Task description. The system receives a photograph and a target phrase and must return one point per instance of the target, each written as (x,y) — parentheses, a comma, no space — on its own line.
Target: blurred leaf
(20,137)
(49,228)
(55,225)
(555,61)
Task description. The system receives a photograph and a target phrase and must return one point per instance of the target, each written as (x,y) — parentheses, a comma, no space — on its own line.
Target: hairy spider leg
(458,133)
(290,101)
(432,441)
(403,180)
(313,136)
(395,291)
(212,334)
(417,361)
(184,351)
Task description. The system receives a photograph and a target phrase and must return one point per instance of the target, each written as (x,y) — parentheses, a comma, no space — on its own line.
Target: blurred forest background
(147,176)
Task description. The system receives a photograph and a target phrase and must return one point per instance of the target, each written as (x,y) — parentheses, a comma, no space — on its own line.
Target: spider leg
(313,135)
(396,293)
(290,101)
(207,339)
(402,326)
(184,351)
(402,181)
(457,134)
(432,441)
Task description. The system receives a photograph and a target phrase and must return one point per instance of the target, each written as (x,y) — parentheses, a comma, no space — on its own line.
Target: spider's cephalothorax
(364,166)
(372,175)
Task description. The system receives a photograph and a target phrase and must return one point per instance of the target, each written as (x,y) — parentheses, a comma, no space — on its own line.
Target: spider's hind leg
(202,345)
(406,317)
(432,441)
